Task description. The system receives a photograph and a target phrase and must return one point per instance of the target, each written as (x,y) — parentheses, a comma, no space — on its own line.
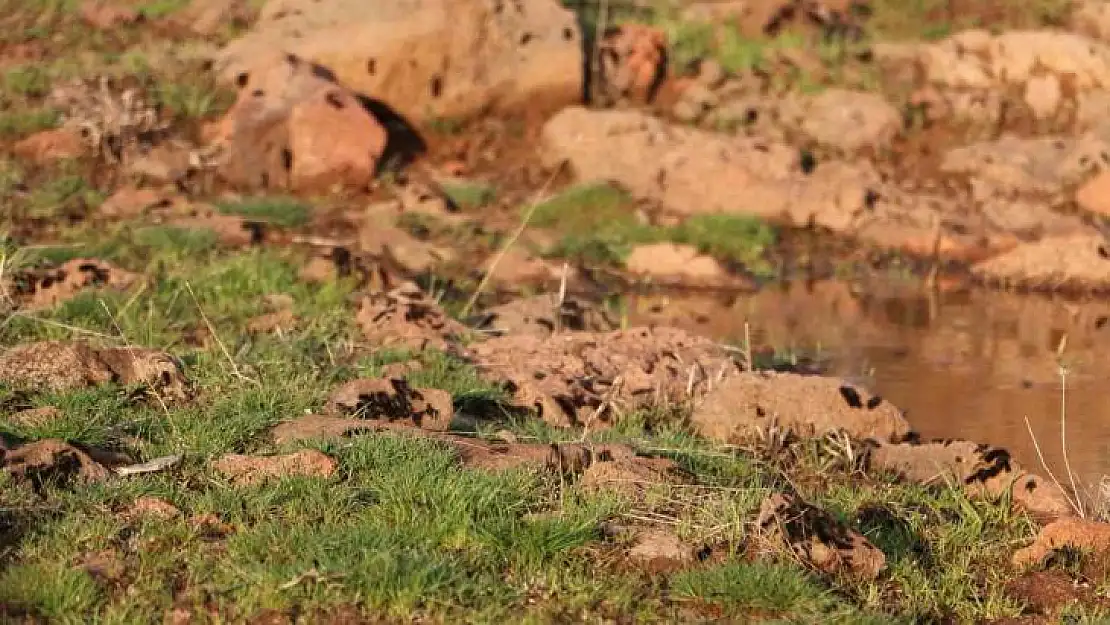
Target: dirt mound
(543,315)
(249,470)
(979,469)
(39,289)
(55,460)
(428,59)
(394,400)
(1074,263)
(50,145)
(155,508)
(293,127)
(588,378)
(58,366)
(1091,536)
(817,538)
(325,427)
(807,405)
(407,317)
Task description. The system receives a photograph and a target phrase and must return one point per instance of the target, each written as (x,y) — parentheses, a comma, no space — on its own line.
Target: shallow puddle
(963,364)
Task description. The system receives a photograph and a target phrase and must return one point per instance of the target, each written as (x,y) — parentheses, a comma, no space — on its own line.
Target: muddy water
(962,364)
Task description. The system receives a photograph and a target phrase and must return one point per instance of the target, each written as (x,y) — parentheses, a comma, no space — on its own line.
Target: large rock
(426,59)
(587,378)
(1076,263)
(807,405)
(1048,69)
(851,120)
(689,171)
(1013,166)
(294,128)
(978,469)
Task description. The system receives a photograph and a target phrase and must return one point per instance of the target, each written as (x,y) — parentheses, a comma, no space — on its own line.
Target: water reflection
(962,364)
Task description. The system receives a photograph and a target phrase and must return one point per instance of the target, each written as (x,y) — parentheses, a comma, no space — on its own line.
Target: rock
(50,145)
(394,400)
(1043,95)
(660,549)
(412,254)
(42,289)
(231,230)
(147,507)
(817,538)
(630,476)
(1094,195)
(632,63)
(850,121)
(1092,18)
(250,470)
(51,460)
(1079,263)
(1081,534)
(980,469)
(105,15)
(164,163)
(58,366)
(292,127)
(132,202)
(807,405)
(675,263)
(334,142)
(1012,166)
(688,171)
(319,427)
(406,317)
(427,59)
(587,378)
(518,268)
(536,316)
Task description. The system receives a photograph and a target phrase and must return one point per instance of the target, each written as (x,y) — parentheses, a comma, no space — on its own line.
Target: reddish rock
(394,400)
(50,145)
(979,469)
(633,62)
(817,538)
(334,142)
(294,128)
(1092,536)
(248,470)
(427,59)
(152,508)
(682,264)
(1094,195)
(807,405)
(131,202)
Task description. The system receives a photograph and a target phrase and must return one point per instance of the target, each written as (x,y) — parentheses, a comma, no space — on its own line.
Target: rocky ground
(310,311)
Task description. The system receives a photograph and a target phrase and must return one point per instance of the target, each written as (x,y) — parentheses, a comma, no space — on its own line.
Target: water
(969,364)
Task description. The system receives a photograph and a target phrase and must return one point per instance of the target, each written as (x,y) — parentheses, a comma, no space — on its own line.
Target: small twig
(748,346)
(536,200)
(1044,465)
(215,335)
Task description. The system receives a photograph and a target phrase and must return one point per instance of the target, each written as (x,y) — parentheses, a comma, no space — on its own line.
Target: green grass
(401,530)
(470,195)
(20,123)
(597,224)
(283,211)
